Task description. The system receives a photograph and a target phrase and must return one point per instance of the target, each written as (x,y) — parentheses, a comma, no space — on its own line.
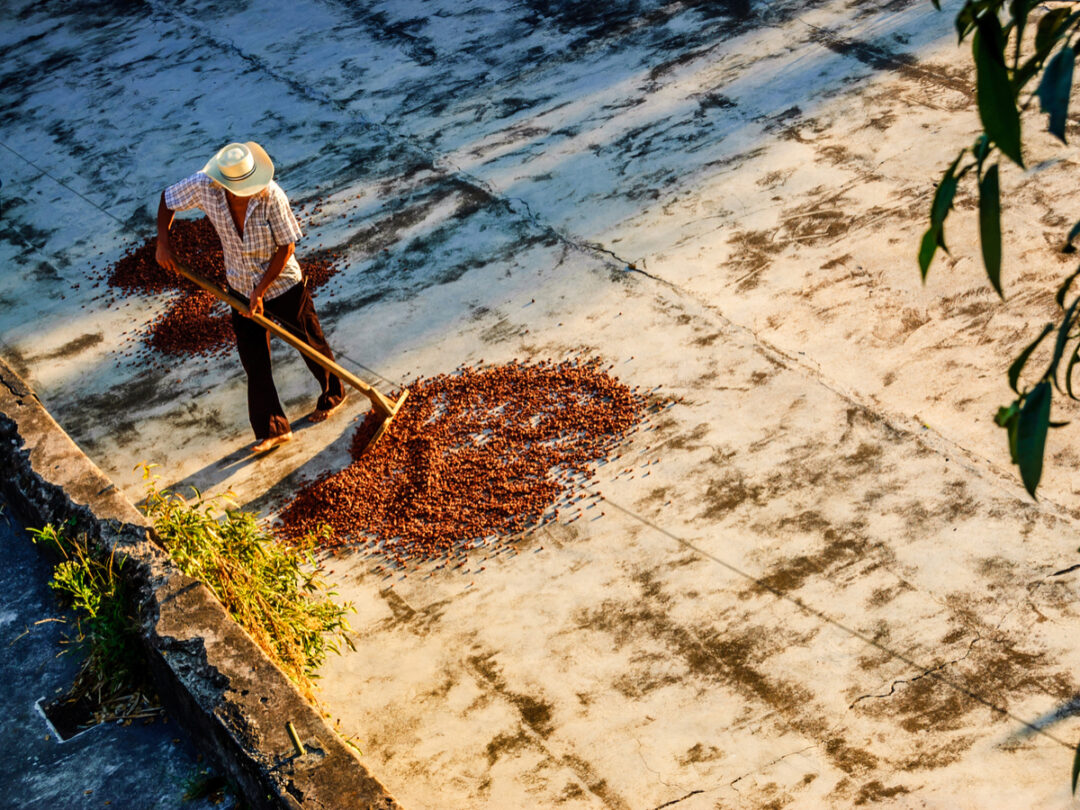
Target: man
(257,229)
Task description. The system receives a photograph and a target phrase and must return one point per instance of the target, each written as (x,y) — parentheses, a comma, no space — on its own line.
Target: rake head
(388,417)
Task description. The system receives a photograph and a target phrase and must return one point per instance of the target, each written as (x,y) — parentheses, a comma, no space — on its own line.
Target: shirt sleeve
(282,221)
(188,193)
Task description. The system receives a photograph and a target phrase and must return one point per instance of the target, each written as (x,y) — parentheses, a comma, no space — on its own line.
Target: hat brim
(251,185)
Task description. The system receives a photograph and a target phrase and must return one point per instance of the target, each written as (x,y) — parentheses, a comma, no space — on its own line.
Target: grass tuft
(112,680)
(272,590)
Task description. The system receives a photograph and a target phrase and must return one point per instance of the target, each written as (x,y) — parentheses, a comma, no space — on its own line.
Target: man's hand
(255,305)
(164,255)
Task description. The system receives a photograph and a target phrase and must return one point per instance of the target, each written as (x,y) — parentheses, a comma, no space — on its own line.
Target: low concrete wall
(209,673)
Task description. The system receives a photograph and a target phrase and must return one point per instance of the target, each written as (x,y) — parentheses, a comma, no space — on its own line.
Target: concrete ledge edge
(228,695)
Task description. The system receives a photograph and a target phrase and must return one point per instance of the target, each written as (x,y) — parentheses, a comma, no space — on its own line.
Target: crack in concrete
(652,770)
(929,672)
(680,799)
(768,765)
(16,391)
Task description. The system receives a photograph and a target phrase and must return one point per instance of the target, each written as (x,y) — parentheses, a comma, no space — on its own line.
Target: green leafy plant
(112,677)
(271,589)
(1020,58)
(1015,66)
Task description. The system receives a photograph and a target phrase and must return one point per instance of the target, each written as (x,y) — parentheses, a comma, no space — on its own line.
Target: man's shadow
(220,470)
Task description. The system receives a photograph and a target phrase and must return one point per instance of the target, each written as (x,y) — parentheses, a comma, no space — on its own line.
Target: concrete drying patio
(830,590)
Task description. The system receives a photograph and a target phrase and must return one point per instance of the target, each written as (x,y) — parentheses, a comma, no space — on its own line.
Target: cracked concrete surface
(820,585)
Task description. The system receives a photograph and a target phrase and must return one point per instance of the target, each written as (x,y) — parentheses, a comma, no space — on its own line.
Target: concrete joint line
(61,183)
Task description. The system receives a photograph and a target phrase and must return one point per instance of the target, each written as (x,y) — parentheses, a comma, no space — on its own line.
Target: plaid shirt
(268,225)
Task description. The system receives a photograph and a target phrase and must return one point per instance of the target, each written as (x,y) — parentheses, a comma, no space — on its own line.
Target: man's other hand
(255,305)
(165,256)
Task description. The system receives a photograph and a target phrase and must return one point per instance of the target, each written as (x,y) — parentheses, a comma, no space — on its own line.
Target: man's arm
(273,270)
(164,254)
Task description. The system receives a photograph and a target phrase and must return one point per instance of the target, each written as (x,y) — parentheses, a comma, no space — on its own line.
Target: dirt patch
(728,494)
(700,753)
(75,346)
(535,713)
(873,792)
(503,744)
(989,677)
(841,549)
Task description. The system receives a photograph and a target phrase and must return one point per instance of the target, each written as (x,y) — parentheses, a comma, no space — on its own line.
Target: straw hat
(243,168)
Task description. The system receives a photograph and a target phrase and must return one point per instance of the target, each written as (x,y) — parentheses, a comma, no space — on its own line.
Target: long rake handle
(383,405)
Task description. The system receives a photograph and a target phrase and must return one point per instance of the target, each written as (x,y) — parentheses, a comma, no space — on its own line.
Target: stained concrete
(830,590)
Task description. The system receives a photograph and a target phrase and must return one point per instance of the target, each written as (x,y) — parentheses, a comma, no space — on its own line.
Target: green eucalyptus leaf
(1054,90)
(993,89)
(1005,414)
(1007,418)
(964,22)
(1031,435)
(1049,29)
(965,19)
(1076,768)
(927,249)
(1018,364)
(990,226)
(946,191)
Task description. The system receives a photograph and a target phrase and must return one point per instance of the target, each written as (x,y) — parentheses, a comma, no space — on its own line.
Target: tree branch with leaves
(1013,70)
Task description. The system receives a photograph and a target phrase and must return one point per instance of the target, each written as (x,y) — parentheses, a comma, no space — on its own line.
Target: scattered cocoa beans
(195,323)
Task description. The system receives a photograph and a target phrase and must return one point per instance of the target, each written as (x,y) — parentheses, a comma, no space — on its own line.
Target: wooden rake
(386,407)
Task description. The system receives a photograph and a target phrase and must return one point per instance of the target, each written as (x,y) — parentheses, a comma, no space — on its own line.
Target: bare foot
(271,442)
(321,416)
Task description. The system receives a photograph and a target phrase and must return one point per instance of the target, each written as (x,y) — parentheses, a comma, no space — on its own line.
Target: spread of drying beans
(196,322)
(472,460)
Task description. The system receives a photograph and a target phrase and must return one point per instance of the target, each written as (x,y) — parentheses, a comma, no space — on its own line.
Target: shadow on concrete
(218,471)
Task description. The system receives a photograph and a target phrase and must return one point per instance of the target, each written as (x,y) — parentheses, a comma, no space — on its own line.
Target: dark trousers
(294,310)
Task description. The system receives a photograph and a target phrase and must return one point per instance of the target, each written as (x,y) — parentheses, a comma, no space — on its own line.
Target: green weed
(272,590)
(112,678)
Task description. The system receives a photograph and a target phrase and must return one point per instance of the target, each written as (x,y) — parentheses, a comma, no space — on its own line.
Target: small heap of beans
(196,322)
(471,460)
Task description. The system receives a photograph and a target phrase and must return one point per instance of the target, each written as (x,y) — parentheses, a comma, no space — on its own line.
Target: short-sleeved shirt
(269,224)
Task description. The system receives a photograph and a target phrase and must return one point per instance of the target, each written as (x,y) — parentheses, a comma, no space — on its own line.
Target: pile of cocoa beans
(473,459)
